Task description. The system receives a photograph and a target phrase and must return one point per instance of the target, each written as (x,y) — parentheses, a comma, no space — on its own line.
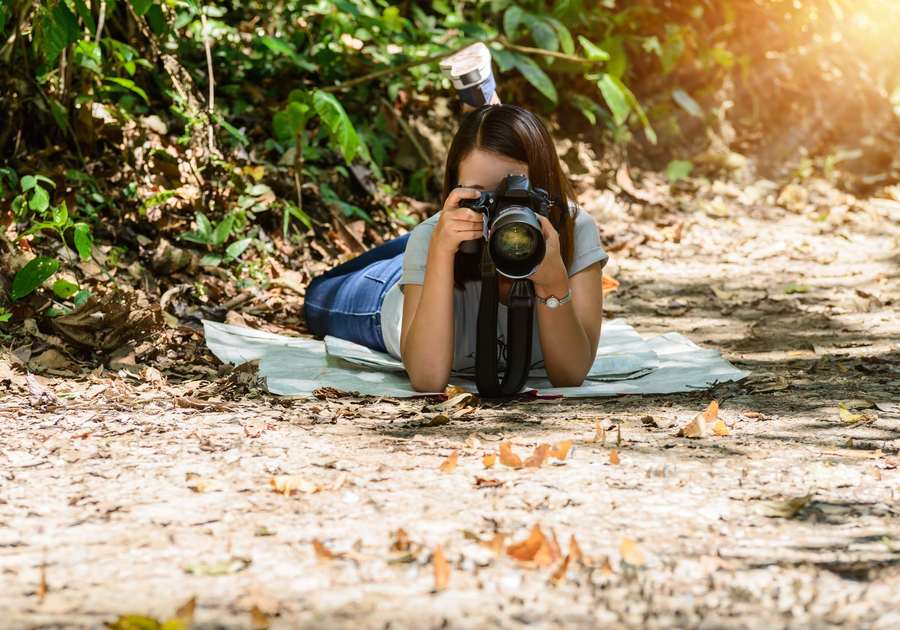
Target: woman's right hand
(457,225)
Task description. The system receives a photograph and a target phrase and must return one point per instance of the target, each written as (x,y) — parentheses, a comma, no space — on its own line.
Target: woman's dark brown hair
(516,133)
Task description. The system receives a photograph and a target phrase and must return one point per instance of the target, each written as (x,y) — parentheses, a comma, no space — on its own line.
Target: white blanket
(626,363)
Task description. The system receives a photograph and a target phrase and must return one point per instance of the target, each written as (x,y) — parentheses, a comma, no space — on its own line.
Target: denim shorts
(346,301)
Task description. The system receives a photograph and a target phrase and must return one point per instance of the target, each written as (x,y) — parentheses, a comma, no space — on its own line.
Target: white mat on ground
(626,363)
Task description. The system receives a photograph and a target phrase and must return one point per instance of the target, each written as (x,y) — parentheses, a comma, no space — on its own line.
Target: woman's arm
(569,333)
(427,330)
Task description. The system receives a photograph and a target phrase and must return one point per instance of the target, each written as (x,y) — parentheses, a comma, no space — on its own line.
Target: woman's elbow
(427,384)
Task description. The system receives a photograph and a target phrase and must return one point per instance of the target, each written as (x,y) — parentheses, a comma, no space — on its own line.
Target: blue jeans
(345,302)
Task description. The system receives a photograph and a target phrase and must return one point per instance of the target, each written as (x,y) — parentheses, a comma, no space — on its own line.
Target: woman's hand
(457,225)
(551,277)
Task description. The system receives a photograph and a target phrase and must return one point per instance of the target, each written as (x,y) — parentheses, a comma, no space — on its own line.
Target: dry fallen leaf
(720,428)
(507,457)
(537,550)
(575,550)
(258,619)
(560,574)
(631,553)
(497,544)
(197,483)
(702,423)
(787,509)
(441,569)
(401,542)
(538,456)
(449,464)
(599,432)
(489,460)
(608,284)
(42,585)
(185,612)
(323,553)
(486,482)
(255,428)
(560,450)
(289,484)
(614,456)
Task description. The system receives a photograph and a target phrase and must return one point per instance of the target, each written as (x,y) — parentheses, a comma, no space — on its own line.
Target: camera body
(512,230)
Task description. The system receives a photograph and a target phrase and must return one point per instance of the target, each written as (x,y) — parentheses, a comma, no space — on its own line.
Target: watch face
(552,302)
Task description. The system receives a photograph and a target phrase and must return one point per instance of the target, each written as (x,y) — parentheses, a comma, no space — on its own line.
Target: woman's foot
(470,72)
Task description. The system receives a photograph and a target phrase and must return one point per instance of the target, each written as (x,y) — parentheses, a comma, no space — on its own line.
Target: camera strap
(520,320)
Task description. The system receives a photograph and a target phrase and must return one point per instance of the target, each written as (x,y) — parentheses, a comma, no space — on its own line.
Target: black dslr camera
(512,229)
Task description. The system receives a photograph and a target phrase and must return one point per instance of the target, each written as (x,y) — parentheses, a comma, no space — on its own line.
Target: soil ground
(132,494)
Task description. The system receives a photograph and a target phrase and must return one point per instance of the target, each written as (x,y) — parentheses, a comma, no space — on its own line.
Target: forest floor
(135,492)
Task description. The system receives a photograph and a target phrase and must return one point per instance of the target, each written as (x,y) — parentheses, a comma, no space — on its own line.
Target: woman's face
(485,170)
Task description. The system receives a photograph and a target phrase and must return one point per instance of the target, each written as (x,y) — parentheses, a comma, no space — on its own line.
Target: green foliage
(679,169)
(33,275)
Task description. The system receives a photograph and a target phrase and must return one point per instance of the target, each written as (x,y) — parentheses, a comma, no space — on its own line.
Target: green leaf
(211,260)
(290,120)
(223,230)
(618,57)
(511,20)
(63,289)
(128,84)
(4,315)
(141,6)
(59,28)
(292,211)
(505,59)
(233,131)
(281,47)
(535,76)
(591,50)
(565,37)
(85,13)
(81,298)
(587,106)
(84,241)
(687,103)
(60,215)
(679,169)
(615,98)
(89,55)
(40,200)
(28,182)
(541,32)
(204,227)
(794,287)
(237,248)
(338,123)
(33,275)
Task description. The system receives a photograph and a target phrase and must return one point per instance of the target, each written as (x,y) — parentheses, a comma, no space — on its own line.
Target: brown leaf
(486,482)
(42,589)
(496,544)
(614,456)
(720,428)
(608,285)
(631,553)
(575,550)
(401,542)
(258,619)
(599,432)
(507,457)
(489,460)
(560,574)
(291,484)
(538,456)
(323,554)
(185,612)
(449,464)
(441,569)
(561,450)
(537,550)
(702,423)
(197,483)
(255,429)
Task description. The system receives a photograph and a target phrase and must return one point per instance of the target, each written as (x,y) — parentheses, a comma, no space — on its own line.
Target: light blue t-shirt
(587,251)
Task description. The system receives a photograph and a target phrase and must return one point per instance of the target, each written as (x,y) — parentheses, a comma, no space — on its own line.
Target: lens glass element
(515,241)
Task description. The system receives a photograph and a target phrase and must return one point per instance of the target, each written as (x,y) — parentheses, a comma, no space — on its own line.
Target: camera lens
(515,241)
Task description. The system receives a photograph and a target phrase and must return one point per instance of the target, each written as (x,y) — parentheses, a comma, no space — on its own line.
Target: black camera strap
(520,320)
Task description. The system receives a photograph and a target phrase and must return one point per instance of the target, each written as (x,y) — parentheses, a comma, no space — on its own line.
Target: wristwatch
(555,302)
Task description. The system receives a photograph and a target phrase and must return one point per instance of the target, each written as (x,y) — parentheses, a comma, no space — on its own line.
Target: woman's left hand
(551,274)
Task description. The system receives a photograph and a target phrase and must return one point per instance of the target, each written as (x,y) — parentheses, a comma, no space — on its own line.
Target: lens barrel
(516,241)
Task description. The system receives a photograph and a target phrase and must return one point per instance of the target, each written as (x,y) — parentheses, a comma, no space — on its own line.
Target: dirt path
(120,496)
